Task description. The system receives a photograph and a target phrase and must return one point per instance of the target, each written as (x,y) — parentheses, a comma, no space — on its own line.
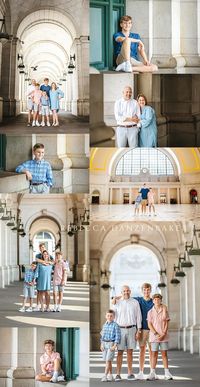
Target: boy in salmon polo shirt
(158,322)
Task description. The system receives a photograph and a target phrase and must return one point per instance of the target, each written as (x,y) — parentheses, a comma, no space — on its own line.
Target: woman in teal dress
(44,280)
(148,129)
(55,94)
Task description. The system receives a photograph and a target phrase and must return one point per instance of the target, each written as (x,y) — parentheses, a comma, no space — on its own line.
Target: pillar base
(164,61)
(79,270)
(83,108)
(9,107)
(195,339)
(21,377)
(86,273)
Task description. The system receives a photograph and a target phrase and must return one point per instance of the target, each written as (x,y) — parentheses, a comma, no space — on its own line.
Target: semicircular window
(137,160)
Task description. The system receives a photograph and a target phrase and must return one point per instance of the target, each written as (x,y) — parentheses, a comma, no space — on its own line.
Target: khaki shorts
(121,58)
(127,339)
(144,202)
(144,338)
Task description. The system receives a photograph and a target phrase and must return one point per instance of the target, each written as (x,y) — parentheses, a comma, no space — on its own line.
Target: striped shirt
(30,275)
(41,171)
(111,332)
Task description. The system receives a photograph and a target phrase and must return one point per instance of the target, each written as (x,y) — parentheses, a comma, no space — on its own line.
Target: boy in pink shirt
(158,321)
(150,199)
(36,95)
(59,280)
(50,364)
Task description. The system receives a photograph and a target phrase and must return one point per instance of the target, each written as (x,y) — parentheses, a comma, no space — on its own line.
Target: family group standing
(39,276)
(141,319)
(145,198)
(42,100)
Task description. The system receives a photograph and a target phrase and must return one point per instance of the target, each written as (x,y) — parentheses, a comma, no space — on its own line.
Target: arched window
(140,160)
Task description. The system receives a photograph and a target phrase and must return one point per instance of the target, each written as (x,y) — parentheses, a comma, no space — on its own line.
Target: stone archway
(96,197)
(45,42)
(45,230)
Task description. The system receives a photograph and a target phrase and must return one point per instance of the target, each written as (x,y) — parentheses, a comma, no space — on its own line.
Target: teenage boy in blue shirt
(127,45)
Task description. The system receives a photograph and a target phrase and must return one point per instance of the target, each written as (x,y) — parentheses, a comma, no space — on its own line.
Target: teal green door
(2,151)
(104,22)
(67,344)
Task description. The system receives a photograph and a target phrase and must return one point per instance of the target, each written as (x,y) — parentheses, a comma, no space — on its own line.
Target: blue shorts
(29,291)
(162,346)
(58,288)
(107,354)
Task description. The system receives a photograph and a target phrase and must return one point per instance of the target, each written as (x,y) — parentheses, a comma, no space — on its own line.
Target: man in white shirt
(127,114)
(30,89)
(128,317)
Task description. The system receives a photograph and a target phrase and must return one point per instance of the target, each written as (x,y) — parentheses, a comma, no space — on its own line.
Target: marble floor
(164,212)
(68,123)
(183,366)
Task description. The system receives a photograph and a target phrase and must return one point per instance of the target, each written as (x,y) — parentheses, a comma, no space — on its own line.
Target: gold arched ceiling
(187,158)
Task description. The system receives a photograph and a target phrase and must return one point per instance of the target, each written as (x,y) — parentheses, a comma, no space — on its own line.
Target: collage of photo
(99,193)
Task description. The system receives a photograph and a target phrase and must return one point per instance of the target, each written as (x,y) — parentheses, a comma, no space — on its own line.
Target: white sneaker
(37,123)
(55,308)
(140,376)
(33,123)
(61,379)
(48,124)
(168,376)
(151,376)
(128,67)
(53,379)
(121,67)
(22,309)
(43,124)
(110,378)
(104,379)
(30,309)
(59,308)
(36,309)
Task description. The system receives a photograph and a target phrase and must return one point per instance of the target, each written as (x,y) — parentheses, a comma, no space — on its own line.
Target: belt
(37,183)
(127,126)
(128,326)
(108,341)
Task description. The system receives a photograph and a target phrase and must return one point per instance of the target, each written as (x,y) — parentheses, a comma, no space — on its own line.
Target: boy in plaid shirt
(29,287)
(110,338)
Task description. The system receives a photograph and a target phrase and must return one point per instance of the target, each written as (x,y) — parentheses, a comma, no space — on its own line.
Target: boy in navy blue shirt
(127,45)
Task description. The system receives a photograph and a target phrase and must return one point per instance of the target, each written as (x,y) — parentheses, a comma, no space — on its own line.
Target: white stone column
(84,356)
(195,331)
(184,312)
(86,265)
(130,198)
(120,196)
(82,77)
(173,295)
(161,33)
(158,195)
(189,308)
(111,195)
(21,372)
(8,77)
(189,32)
(168,196)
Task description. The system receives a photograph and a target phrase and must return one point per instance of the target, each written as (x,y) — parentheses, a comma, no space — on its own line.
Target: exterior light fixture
(3,34)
